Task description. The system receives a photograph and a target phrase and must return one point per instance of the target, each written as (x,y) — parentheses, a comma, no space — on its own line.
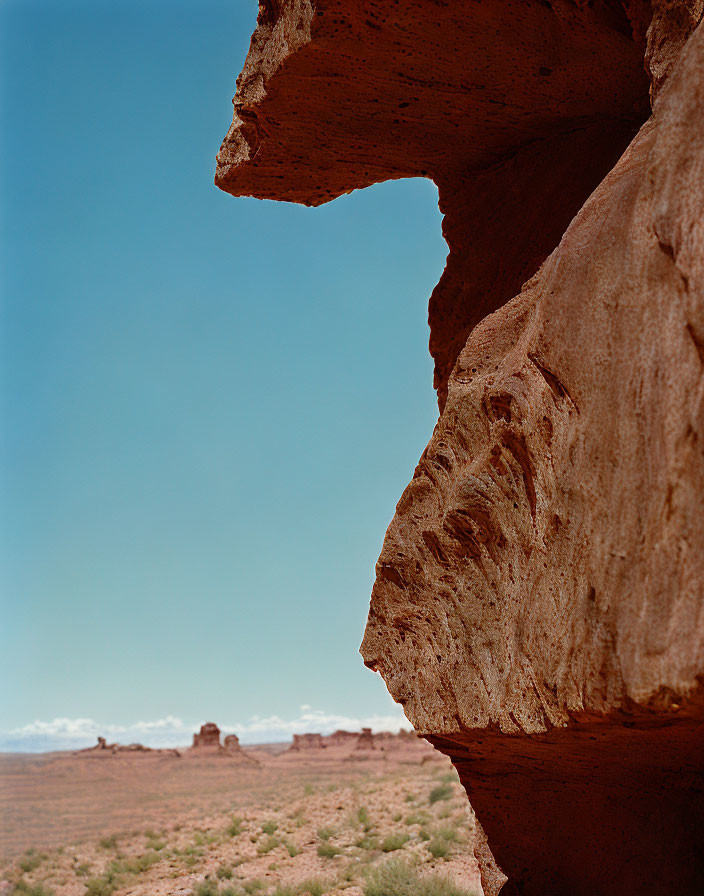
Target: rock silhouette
(538,601)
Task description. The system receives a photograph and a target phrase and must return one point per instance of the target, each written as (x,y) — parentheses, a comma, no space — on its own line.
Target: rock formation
(538,608)
(206,743)
(103,748)
(231,743)
(341,738)
(208,737)
(365,740)
(307,742)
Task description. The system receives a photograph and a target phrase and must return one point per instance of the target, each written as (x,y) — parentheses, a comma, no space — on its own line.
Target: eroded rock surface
(538,608)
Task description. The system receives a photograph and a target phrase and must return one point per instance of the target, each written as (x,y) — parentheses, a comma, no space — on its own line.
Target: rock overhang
(515,109)
(340,94)
(537,607)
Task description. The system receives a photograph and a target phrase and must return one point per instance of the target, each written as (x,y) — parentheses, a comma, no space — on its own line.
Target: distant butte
(539,602)
(206,742)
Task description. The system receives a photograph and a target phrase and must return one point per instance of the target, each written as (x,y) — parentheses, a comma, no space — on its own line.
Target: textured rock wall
(538,608)
(515,110)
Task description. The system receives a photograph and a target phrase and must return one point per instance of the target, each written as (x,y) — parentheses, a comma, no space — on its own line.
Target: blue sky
(210,405)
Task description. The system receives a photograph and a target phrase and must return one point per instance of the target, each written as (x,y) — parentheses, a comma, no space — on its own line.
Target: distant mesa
(103,748)
(352,741)
(341,738)
(307,742)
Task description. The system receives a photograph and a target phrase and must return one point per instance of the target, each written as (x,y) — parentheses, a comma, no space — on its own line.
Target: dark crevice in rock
(600,807)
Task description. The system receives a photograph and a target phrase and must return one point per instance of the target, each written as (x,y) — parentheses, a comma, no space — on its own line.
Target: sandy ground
(155,825)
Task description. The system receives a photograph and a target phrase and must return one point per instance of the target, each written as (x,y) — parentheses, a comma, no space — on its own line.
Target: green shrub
(438,849)
(100,886)
(109,842)
(267,845)
(396,878)
(368,841)
(138,864)
(269,827)
(293,850)
(363,817)
(311,888)
(156,845)
(235,828)
(393,842)
(206,888)
(325,833)
(224,872)
(115,869)
(82,870)
(441,792)
(30,862)
(189,850)
(450,778)
(327,850)
(22,888)
(307,888)
(446,832)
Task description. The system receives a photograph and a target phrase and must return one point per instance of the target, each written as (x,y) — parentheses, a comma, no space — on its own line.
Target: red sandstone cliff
(538,608)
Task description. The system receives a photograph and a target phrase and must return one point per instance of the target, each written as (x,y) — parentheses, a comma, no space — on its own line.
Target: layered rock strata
(538,608)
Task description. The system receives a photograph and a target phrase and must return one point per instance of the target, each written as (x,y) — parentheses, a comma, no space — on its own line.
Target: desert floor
(311,822)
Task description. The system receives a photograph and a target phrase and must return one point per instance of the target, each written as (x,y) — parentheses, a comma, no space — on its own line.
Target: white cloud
(171,731)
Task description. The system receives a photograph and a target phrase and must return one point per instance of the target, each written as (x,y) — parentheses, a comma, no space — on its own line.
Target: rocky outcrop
(231,743)
(103,748)
(538,607)
(207,738)
(336,95)
(207,743)
(307,742)
(341,738)
(365,740)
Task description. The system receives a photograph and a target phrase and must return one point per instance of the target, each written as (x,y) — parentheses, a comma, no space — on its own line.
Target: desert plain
(269,820)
